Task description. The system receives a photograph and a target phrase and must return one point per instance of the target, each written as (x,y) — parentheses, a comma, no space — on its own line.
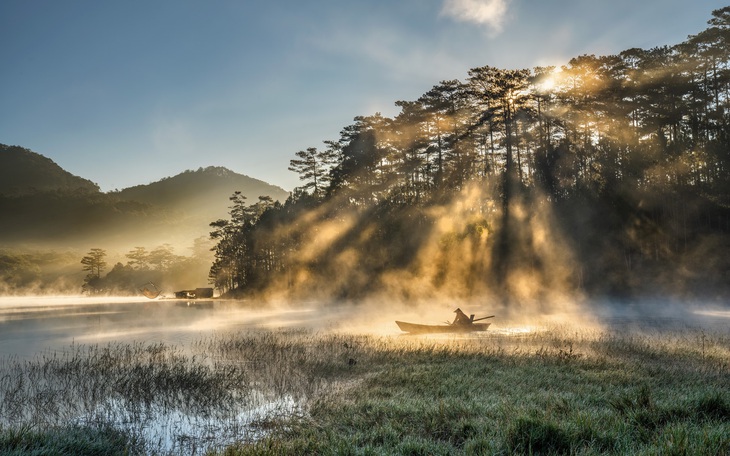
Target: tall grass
(552,392)
(558,391)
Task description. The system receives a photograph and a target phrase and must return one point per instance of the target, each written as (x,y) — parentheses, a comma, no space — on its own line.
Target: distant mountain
(24,172)
(203,193)
(42,204)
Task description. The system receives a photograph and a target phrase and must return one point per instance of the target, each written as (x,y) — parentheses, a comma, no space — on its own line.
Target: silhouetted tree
(138,258)
(361,170)
(94,264)
(314,167)
(631,152)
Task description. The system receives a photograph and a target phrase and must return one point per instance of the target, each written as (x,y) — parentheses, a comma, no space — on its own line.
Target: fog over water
(31,325)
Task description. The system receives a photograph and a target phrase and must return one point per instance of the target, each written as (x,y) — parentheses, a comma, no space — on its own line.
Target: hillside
(49,218)
(23,172)
(203,193)
(42,205)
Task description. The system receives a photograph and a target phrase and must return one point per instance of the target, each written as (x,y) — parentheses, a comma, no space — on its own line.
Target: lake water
(30,325)
(33,326)
(41,325)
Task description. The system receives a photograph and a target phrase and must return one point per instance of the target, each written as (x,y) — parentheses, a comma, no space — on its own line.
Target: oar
(483,318)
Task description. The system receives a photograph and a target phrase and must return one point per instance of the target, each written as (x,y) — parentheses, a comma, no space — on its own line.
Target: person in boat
(461,318)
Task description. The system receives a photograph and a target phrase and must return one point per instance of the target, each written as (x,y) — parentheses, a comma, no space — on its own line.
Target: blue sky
(127,92)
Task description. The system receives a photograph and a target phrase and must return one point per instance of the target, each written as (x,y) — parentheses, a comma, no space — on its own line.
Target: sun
(549,81)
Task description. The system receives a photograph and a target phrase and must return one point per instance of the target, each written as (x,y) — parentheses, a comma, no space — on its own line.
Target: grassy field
(555,391)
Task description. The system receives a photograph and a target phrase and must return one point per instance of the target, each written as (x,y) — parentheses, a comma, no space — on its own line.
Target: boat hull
(415,328)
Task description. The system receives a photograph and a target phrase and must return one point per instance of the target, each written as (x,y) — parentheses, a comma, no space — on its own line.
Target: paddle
(483,318)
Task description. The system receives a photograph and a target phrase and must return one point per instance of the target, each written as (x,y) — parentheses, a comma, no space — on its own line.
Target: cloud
(485,12)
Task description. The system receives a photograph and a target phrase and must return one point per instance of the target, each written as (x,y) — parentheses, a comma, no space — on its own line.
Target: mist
(534,194)
(553,193)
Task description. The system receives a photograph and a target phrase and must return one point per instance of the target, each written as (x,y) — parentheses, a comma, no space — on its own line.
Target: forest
(154,270)
(607,176)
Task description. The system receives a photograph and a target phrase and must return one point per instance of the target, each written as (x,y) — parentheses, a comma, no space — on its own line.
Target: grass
(70,440)
(550,392)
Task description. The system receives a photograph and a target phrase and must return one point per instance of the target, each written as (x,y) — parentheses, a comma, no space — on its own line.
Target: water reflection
(188,431)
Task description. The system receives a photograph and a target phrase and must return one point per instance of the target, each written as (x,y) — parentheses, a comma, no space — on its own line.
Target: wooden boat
(461,324)
(415,328)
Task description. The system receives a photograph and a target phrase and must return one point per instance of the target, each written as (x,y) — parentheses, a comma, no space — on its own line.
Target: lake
(33,326)
(29,325)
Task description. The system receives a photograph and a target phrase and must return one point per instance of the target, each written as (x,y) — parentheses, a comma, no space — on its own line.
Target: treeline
(38,272)
(610,174)
(158,269)
(98,272)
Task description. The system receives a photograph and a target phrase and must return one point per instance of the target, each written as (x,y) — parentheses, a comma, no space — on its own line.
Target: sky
(127,92)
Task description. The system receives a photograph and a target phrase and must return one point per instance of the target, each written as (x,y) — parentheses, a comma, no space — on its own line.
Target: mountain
(43,205)
(203,193)
(23,172)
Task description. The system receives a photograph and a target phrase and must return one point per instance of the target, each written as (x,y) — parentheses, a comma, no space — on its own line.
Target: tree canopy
(609,174)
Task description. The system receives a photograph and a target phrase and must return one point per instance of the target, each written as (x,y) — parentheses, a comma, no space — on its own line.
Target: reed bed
(554,391)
